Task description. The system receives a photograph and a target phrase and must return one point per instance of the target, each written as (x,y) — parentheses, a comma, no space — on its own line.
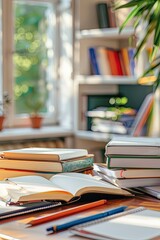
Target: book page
(31,186)
(78,183)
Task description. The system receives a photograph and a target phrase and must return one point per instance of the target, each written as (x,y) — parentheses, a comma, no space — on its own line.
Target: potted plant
(147,14)
(35,101)
(3,108)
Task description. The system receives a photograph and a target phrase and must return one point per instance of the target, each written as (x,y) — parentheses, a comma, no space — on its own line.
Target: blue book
(131,52)
(93,61)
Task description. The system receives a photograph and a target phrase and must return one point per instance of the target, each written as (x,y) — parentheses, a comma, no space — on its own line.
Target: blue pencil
(86,219)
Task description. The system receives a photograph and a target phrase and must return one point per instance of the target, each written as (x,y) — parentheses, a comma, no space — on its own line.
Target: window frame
(7,67)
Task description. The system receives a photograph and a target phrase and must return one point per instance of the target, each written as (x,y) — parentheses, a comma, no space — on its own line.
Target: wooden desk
(16,227)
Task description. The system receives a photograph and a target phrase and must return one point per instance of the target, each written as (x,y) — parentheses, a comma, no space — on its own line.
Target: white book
(52,154)
(152,190)
(128,182)
(103,61)
(135,224)
(126,173)
(133,146)
(62,186)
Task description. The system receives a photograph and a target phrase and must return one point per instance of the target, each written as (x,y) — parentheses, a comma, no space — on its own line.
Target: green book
(102,15)
(69,165)
(115,161)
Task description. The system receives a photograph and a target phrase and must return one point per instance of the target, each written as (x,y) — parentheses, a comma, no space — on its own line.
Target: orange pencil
(67,212)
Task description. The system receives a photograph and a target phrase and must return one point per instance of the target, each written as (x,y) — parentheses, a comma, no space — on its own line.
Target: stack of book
(44,161)
(131,162)
(118,120)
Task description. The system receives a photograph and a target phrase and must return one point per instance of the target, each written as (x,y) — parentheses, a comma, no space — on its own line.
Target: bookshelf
(90,87)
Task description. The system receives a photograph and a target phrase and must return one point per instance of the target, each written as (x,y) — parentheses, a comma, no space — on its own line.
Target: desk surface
(16,227)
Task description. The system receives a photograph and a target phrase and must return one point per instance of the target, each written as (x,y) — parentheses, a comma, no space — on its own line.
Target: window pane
(34,54)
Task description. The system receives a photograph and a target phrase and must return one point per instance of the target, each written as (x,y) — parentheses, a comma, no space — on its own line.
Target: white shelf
(29,133)
(110,33)
(99,79)
(93,136)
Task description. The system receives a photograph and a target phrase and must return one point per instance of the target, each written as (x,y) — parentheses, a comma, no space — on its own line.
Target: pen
(66,212)
(86,219)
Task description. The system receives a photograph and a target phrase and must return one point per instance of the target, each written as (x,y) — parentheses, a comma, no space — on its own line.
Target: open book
(52,154)
(63,186)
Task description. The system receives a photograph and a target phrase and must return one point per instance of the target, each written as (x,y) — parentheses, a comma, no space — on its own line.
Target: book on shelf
(68,165)
(103,61)
(132,63)
(114,62)
(121,161)
(128,145)
(50,154)
(142,115)
(126,61)
(102,15)
(124,173)
(128,182)
(62,187)
(108,126)
(154,120)
(102,112)
(93,61)
(136,223)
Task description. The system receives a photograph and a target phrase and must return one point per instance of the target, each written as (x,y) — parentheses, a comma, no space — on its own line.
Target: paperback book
(61,187)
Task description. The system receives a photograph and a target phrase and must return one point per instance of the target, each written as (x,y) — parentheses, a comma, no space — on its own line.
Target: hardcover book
(50,154)
(125,173)
(135,146)
(69,165)
(133,162)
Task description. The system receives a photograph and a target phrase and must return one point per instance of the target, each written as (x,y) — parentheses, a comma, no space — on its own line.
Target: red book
(114,61)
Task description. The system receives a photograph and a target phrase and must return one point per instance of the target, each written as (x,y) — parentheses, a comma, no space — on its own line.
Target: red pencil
(67,212)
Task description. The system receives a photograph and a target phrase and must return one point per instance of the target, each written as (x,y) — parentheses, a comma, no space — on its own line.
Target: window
(31,55)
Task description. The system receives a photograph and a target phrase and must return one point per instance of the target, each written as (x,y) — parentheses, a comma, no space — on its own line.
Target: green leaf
(131,15)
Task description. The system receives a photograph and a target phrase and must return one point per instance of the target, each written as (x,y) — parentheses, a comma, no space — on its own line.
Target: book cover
(125,172)
(114,61)
(63,187)
(125,60)
(93,61)
(102,15)
(142,115)
(131,53)
(48,166)
(129,145)
(103,61)
(133,162)
(50,154)
(128,182)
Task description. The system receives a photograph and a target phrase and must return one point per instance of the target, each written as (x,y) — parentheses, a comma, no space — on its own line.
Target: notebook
(138,223)
(12,211)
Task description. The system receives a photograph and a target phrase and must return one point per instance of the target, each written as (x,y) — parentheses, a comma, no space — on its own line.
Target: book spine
(114,61)
(93,61)
(131,52)
(102,15)
(72,166)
